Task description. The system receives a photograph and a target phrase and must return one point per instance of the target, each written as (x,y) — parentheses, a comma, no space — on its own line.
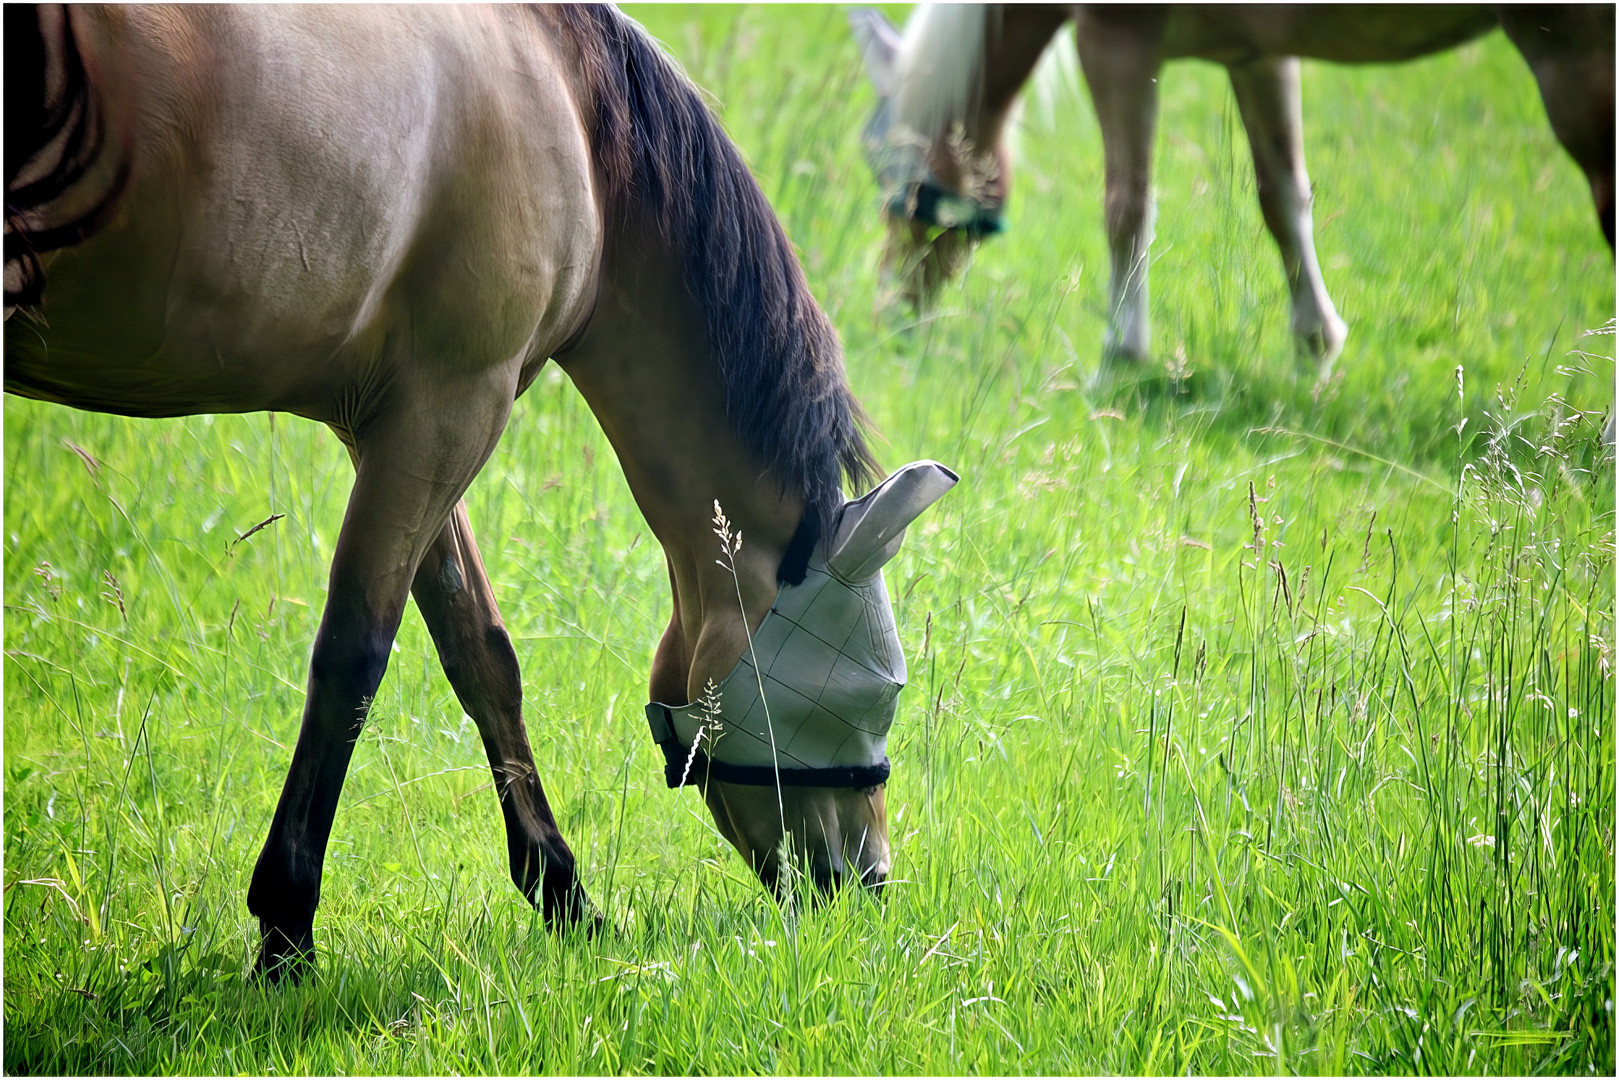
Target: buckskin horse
(946,89)
(386,220)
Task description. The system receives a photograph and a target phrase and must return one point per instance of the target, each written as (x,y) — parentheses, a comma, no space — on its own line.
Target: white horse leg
(1268,94)
(1121,67)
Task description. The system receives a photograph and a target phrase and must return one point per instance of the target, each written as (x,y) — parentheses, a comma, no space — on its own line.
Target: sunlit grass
(1255,723)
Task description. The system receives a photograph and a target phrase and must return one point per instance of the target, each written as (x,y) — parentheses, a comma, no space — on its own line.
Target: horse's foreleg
(1119,54)
(456,601)
(1570,50)
(1016,37)
(411,470)
(1267,92)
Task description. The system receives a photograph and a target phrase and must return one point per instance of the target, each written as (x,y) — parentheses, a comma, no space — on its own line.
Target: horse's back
(316,195)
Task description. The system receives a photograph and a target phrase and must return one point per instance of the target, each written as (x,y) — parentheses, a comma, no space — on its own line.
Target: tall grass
(1255,723)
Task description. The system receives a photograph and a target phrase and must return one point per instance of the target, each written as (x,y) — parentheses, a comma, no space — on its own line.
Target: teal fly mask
(828,659)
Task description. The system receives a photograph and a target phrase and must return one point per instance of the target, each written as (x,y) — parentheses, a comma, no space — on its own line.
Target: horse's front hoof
(1322,342)
(589,922)
(585,921)
(1121,374)
(285,954)
(1124,355)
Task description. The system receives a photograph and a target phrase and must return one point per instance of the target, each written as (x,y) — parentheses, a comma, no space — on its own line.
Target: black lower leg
(453,593)
(542,866)
(285,891)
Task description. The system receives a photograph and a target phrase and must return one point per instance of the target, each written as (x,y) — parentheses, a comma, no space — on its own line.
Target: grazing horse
(386,220)
(947,86)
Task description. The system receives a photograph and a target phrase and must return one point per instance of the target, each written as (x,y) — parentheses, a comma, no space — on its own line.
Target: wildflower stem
(729,546)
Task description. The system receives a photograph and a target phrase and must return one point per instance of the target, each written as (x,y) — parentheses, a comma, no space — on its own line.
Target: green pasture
(1258,722)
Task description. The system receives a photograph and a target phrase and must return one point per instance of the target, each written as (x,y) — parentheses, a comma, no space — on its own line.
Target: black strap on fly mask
(910,190)
(929,196)
(682,764)
(795,560)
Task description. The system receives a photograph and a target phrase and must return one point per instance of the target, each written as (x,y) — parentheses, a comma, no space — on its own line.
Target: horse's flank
(1338,33)
(314,218)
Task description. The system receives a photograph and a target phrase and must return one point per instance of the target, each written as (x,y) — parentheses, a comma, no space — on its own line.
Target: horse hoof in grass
(285,955)
(1322,342)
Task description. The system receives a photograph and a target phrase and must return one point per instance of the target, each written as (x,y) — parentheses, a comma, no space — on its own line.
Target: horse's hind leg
(412,467)
(456,601)
(1267,92)
(1118,50)
(1570,50)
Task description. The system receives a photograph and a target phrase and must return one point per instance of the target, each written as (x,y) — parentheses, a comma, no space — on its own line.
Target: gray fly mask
(828,659)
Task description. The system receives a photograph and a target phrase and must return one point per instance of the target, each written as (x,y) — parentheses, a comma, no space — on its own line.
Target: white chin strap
(829,663)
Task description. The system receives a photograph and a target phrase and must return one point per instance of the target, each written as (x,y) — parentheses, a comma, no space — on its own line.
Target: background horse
(386,220)
(946,89)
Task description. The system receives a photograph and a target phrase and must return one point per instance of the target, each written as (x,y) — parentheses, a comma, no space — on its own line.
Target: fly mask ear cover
(829,660)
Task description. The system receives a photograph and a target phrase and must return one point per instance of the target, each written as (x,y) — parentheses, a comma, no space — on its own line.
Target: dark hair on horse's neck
(660,152)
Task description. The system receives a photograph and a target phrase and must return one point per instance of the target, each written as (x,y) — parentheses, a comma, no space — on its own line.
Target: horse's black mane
(48,103)
(661,152)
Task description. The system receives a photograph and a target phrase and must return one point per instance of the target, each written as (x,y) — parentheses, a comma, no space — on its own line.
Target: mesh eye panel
(833,668)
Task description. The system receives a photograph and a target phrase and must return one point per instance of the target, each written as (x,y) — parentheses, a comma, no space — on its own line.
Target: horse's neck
(644,367)
(962,66)
(939,68)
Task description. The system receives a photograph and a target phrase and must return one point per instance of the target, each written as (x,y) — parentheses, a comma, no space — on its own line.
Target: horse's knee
(349,660)
(1127,210)
(1285,200)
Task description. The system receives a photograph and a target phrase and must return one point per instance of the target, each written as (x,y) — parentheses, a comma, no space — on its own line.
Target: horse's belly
(117,365)
(1344,33)
(132,323)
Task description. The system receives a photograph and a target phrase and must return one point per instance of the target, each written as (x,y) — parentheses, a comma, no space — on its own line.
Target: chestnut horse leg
(452,592)
(1570,50)
(1267,92)
(1118,51)
(413,461)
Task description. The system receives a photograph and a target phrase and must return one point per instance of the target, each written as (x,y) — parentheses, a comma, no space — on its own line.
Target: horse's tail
(55,136)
